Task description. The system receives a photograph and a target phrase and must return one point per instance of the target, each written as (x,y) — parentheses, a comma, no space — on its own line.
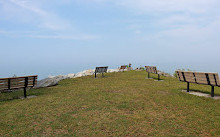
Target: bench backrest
(18,82)
(199,77)
(123,67)
(101,69)
(151,69)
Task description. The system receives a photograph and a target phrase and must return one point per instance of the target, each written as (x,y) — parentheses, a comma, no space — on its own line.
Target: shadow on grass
(17,94)
(200,91)
(154,76)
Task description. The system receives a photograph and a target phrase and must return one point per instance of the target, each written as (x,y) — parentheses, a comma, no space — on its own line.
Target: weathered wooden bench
(101,70)
(13,83)
(152,69)
(203,78)
(123,67)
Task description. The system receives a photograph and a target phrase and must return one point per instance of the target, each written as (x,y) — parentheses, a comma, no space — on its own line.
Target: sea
(43,71)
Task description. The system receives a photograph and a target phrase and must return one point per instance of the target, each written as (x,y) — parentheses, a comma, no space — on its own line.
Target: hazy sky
(49,32)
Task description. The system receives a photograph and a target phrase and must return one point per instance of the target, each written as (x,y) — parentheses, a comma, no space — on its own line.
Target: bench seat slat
(199,78)
(123,67)
(17,82)
(101,69)
(18,77)
(151,69)
(3,88)
(6,85)
(17,86)
(180,76)
(189,77)
(3,84)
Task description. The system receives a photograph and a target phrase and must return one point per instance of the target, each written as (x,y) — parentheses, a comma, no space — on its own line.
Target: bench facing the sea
(8,84)
(123,67)
(204,78)
(152,69)
(101,70)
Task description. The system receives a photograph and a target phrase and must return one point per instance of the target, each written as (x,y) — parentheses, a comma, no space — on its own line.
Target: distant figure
(129,67)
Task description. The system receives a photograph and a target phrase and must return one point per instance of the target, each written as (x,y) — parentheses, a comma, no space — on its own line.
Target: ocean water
(46,70)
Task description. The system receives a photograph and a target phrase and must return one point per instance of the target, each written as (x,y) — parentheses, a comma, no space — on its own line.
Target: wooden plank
(217,79)
(30,84)
(199,78)
(18,77)
(101,69)
(123,67)
(189,76)
(3,80)
(3,88)
(17,86)
(212,79)
(3,84)
(151,69)
(17,82)
(180,75)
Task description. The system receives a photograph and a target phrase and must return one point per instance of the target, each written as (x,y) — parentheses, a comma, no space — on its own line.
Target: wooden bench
(101,70)
(18,83)
(203,78)
(123,67)
(152,69)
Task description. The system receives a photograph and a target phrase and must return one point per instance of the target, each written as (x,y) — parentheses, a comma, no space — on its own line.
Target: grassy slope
(121,104)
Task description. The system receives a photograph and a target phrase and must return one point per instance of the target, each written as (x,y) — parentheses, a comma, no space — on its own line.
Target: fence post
(212,91)
(9,84)
(187,86)
(25,86)
(34,81)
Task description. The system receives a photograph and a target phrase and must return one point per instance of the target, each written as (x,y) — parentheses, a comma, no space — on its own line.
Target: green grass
(120,104)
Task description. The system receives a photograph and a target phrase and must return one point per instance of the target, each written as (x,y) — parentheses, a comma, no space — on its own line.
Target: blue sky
(43,33)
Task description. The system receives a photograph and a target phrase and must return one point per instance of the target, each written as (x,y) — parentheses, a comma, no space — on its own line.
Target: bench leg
(148,75)
(187,86)
(212,91)
(25,93)
(158,77)
(95,75)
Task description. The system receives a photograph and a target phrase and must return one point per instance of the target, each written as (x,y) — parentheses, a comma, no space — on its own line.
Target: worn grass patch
(120,104)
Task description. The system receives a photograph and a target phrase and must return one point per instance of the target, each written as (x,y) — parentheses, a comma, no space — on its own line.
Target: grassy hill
(121,104)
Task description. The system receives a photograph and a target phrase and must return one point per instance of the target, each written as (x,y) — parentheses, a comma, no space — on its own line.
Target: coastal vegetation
(120,104)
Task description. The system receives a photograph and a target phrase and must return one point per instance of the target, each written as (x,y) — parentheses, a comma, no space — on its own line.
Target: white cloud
(195,22)
(170,18)
(41,20)
(171,13)
(27,5)
(31,13)
(193,6)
